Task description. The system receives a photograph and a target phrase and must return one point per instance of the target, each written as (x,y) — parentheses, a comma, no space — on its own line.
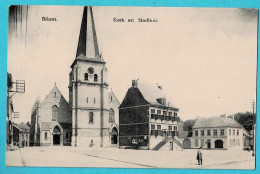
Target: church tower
(88,86)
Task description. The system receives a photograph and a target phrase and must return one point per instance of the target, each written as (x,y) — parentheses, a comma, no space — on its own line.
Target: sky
(204,58)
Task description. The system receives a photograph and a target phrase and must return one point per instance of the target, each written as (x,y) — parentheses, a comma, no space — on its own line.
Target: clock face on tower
(90,70)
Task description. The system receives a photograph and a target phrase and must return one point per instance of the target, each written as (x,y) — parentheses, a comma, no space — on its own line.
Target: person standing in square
(199,156)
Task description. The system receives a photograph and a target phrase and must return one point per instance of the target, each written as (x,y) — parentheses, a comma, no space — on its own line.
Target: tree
(246,119)
(188,124)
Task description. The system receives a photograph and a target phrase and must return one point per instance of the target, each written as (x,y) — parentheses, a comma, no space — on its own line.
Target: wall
(154,140)
(89,100)
(48,140)
(226,138)
(35,140)
(24,139)
(86,136)
(113,103)
(64,113)
(133,123)
(234,140)
(210,137)
(15,135)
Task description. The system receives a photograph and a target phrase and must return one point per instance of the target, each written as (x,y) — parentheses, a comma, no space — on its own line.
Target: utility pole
(253,129)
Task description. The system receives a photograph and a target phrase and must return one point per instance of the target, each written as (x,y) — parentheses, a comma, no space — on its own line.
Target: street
(66,156)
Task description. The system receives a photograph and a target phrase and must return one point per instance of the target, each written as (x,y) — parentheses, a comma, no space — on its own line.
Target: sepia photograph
(131,87)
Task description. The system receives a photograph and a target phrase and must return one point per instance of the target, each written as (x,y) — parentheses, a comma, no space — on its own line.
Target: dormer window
(162,101)
(86,76)
(95,77)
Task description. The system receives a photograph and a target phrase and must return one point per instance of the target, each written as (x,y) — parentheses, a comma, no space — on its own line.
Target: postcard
(131,87)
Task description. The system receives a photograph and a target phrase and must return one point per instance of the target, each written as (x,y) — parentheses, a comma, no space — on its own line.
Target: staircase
(178,145)
(176,141)
(161,144)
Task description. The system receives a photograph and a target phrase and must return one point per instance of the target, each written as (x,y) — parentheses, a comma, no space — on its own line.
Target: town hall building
(94,107)
(147,117)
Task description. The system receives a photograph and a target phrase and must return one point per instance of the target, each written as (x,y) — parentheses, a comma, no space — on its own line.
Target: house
(146,115)
(21,134)
(94,107)
(217,133)
(248,139)
(10,109)
(51,120)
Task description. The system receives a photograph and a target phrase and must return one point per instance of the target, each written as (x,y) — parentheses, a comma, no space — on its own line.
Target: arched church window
(111,116)
(45,135)
(55,113)
(95,77)
(91,115)
(86,76)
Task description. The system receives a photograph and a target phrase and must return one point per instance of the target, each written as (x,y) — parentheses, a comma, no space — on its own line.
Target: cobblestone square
(65,156)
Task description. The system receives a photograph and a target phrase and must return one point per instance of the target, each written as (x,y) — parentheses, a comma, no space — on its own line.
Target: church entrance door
(56,135)
(56,139)
(114,136)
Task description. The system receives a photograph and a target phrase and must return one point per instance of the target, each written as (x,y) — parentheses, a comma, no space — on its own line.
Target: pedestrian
(199,156)
(91,143)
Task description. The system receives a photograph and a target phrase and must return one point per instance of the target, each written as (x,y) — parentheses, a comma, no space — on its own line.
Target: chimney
(134,83)
(160,87)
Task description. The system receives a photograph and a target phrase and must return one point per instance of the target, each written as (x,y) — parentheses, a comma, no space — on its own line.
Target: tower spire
(87,44)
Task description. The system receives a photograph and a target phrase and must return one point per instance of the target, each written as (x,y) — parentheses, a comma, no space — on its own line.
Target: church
(94,108)
(51,120)
(91,117)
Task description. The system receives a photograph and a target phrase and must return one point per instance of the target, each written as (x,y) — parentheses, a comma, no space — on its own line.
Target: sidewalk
(13,158)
